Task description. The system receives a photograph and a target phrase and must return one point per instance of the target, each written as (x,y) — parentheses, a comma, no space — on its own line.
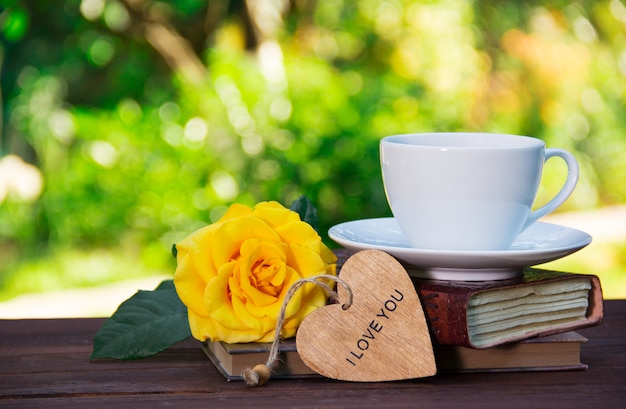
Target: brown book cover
(489,313)
(551,353)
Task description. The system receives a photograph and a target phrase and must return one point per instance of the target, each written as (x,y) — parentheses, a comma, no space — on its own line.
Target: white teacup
(467,191)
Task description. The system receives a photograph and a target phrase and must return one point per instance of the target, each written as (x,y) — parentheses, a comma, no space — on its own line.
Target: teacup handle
(566,190)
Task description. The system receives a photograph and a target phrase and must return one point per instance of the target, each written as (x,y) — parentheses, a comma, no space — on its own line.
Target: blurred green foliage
(138,121)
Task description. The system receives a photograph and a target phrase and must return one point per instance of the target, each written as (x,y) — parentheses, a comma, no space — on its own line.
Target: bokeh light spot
(92,9)
(101,51)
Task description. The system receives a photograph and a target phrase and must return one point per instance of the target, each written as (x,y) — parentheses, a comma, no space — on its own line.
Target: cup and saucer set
(461,205)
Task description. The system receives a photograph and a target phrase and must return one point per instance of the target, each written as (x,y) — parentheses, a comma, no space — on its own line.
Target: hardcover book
(551,353)
(489,313)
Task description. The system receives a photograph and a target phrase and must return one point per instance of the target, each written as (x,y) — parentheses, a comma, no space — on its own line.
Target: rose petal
(207,328)
(305,261)
(202,327)
(274,214)
(234,211)
(189,285)
(230,236)
(196,246)
(301,233)
(261,270)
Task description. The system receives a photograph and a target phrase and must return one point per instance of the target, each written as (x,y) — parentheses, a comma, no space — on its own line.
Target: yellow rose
(234,274)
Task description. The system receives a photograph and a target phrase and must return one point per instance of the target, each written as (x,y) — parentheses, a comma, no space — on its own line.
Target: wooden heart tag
(382,336)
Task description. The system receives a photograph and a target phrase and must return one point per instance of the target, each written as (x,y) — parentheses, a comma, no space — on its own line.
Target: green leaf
(144,325)
(307,211)
(167,285)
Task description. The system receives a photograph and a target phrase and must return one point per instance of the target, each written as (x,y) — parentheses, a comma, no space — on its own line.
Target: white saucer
(540,243)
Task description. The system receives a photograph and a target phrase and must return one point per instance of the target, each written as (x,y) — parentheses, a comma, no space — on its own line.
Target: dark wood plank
(45,363)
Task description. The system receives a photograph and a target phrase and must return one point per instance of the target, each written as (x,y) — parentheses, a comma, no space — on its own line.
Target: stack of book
(523,324)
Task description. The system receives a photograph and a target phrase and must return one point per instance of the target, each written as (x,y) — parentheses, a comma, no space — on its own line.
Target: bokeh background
(128,124)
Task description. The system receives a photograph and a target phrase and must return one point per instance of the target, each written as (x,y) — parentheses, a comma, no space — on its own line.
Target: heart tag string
(260,374)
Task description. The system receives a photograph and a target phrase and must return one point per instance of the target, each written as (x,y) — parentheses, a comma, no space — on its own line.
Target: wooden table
(45,363)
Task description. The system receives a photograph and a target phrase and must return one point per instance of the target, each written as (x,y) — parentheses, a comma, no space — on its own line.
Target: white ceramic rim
(463,140)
